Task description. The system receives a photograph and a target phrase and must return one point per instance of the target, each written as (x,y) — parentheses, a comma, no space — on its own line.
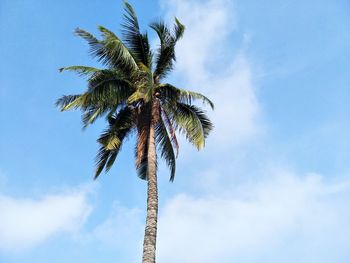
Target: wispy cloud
(286,218)
(206,62)
(275,215)
(27,222)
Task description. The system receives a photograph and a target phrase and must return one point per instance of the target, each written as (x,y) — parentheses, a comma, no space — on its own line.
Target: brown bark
(149,243)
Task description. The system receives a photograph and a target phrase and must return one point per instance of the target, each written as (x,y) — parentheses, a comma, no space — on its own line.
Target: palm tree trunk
(149,243)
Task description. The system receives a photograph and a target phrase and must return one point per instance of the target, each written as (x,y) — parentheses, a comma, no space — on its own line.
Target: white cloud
(208,24)
(280,217)
(26,222)
(284,219)
(207,62)
(237,111)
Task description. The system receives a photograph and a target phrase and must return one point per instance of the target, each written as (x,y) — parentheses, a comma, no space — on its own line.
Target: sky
(271,185)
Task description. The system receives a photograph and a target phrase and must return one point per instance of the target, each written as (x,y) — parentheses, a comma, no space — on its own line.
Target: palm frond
(106,86)
(81,70)
(67,102)
(166,52)
(92,113)
(114,53)
(136,42)
(170,128)
(101,160)
(191,121)
(165,57)
(179,30)
(106,93)
(64,100)
(96,46)
(111,160)
(118,127)
(166,148)
(110,51)
(173,94)
(112,138)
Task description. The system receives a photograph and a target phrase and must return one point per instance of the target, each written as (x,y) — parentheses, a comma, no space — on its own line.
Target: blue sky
(272,184)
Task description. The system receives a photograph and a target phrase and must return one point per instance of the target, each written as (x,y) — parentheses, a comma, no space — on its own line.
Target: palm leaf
(114,53)
(81,70)
(111,160)
(165,57)
(165,146)
(119,126)
(112,138)
(179,30)
(170,128)
(191,121)
(110,51)
(101,160)
(106,86)
(106,93)
(172,94)
(136,42)
(96,46)
(67,102)
(92,113)
(166,52)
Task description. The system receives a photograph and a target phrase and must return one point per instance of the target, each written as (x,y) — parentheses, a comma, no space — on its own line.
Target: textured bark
(149,243)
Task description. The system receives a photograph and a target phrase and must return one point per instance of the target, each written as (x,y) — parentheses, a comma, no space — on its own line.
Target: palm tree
(128,92)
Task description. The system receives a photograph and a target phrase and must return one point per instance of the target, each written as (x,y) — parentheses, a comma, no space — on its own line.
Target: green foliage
(81,70)
(128,93)
(173,94)
(136,42)
(191,121)
(166,147)
(165,57)
(112,138)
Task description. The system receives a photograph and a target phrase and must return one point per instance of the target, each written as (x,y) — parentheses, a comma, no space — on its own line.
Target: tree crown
(130,94)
